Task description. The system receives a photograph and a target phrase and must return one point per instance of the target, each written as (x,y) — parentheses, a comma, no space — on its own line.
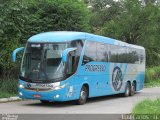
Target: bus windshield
(43,62)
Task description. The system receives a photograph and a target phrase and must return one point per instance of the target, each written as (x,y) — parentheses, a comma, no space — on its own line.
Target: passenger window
(133,56)
(122,54)
(90,52)
(113,57)
(141,56)
(71,63)
(79,45)
(102,52)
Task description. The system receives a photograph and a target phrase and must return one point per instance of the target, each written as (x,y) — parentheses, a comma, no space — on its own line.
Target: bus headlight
(21,86)
(57,86)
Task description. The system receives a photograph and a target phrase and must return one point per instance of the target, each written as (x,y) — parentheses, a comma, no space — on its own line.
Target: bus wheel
(83,96)
(127,90)
(45,101)
(133,89)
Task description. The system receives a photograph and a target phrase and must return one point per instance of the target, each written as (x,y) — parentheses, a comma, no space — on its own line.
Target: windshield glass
(43,62)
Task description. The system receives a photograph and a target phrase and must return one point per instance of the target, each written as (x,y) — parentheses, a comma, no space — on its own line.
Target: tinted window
(113,57)
(102,52)
(122,54)
(112,53)
(141,56)
(75,58)
(133,56)
(79,45)
(90,52)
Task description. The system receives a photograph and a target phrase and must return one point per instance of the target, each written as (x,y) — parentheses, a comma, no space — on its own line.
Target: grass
(152,77)
(153,83)
(147,107)
(152,73)
(147,110)
(7,95)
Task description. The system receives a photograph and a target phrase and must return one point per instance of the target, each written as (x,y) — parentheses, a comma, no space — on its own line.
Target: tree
(138,24)
(103,11)
(21,19)
(149,1)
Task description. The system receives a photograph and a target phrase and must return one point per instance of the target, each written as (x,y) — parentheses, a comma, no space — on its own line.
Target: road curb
(10,99)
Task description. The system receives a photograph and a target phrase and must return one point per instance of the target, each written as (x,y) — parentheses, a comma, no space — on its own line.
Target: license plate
(37,96)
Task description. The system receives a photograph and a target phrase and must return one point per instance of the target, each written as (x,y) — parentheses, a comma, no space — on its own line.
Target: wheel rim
(134,88)
(127,91)
(83,95)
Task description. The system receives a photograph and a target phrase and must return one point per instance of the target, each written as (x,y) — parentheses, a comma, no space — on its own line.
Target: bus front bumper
(51,95)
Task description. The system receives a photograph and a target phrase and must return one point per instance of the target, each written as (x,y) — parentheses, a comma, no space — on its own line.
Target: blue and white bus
(65,65)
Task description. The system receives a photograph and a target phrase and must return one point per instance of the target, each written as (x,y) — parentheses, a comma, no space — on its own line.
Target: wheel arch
(134,81)
(128,81)
(87,86)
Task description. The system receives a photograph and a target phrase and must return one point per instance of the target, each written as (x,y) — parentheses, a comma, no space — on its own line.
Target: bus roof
(64,36)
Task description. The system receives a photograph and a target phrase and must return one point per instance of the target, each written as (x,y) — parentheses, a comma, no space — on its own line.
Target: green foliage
(147,107)
(68,15)
(152,83)
(21,19)
(152,74)
(103,11)
(137,24)
(8,85)
(6,95)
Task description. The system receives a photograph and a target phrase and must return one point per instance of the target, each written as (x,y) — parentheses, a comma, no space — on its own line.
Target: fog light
(20,94)
(57,96)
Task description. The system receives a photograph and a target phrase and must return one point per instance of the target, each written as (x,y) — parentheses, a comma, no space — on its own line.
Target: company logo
(95,68)
(117,78)
(28,85)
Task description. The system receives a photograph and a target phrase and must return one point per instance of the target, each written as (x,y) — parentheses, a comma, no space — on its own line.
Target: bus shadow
(108,97)
(73,103)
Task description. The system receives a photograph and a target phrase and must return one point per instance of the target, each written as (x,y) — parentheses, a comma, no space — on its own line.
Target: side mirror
(15,53)
(66,52)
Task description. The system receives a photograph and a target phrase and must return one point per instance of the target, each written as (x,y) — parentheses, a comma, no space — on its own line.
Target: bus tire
(83,96)
(127,90)
(133,89)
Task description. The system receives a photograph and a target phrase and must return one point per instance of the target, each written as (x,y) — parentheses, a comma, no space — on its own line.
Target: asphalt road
(102,105)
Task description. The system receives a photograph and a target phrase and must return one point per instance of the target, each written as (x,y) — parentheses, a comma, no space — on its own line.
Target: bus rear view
(55,67)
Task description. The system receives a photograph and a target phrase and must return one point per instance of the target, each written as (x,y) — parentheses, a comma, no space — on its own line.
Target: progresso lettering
(95,68)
